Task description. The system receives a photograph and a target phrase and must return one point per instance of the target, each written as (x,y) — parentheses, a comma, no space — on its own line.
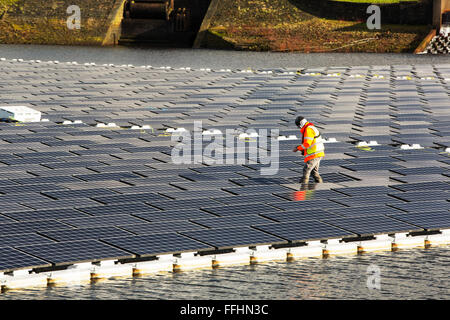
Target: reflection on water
(302,195)
(405,274)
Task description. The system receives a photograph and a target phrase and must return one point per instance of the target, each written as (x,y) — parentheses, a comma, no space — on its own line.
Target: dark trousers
(312,167)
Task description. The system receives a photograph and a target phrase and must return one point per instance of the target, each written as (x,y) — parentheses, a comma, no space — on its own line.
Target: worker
(312,147)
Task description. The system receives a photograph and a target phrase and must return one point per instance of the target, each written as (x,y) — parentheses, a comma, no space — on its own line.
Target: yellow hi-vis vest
(312,142)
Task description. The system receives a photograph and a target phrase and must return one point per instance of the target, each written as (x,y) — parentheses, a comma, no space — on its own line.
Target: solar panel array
(77,192)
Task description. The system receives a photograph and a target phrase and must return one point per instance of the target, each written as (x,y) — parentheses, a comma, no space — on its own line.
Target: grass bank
(282,25)
(45,21)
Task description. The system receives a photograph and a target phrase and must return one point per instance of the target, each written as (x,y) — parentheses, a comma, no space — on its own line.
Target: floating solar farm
(92,188)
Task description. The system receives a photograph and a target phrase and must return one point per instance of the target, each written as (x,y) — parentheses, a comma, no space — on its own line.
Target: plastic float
(265,253)
(76,273)
(189,261)
(438,239)
(238,257)
(211,132)
(336,246)
(163,263)
(173,130)
(381,243)
(402,240)
(20,113)
(311,249)
(367,144)
(291,137)
(410,147)
(22,279)
(330,140)
(109,268)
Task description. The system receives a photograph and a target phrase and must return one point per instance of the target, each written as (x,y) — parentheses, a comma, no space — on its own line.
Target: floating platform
(93,192)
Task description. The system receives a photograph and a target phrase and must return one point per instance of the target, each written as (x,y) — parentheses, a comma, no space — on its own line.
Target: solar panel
(181,194)
(30,188)
(103,220)
(237,210)
(372,166)
(371,225)
(233,237)
(420,178)
(360,191)
(16,240)
(12,259)
(85,233)
(136,197)
(120,208)
(297,215)
(232,221)
(260,181)
(421,170)
(181,204)
(306,205)
(440,185)
(83,193)
(75,252)
(435,220)
(422,196)
(257,189)
(174,215)
(50,179)
(365,211)
(30,226)
(152,245)
(65,203)
(161,227)
(306,230)
(247,199)
(47,214)
(423,206)
(335,177)
(367,200)
(107,176)
(4,219)
(302,195)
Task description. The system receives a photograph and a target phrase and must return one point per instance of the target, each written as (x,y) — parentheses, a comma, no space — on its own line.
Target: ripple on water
(405,274)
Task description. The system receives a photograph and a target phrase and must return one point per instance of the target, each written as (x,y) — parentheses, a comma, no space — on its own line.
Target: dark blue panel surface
(436,220)
(371,225)
(75,252)
(152,245)
(24,239)
(120,208)
(12,259)
(238,210)
(162,227)
(30,226)
(85,233)
(232,221)
(233,237)
(306,230)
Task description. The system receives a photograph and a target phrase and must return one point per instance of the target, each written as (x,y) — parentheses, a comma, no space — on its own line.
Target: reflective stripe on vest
(317,146)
